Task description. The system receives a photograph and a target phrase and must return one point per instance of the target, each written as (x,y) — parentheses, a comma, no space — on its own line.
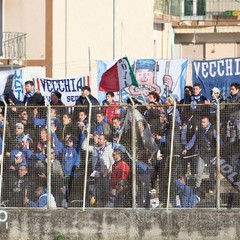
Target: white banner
(152,75)
(70,88)
(14,79)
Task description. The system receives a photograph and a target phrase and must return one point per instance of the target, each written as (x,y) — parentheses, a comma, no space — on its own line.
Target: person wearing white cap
(19,132)
(216,97)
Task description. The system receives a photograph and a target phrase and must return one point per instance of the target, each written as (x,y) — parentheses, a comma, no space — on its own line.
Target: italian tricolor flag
(119,76)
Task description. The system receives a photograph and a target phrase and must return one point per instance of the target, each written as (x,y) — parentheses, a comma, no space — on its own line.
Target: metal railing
(200,9)
(142,137)
(14,46)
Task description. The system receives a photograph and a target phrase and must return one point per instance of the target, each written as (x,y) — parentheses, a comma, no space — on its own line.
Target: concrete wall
(121,224)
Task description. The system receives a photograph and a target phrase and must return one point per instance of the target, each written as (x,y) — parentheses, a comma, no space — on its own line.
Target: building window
(194,7)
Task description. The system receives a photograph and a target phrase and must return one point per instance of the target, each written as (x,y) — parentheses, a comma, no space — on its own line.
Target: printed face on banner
(161,76)
(145,75)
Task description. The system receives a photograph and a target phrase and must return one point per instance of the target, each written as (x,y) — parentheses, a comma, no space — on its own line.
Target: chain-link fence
(128,156)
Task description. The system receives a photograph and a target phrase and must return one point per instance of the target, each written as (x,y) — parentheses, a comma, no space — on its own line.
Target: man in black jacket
(83,104)
(32,97)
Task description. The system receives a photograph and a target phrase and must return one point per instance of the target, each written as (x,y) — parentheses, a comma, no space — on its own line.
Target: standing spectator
(110,108)
(185,111)
(18,161)
(32,97)
(19,187)
(101,126)
(68,127)
(56,99)
(57,176)
(26,120)
(198,98)
(82,102)
(177,148)
(102,167)
(57,103)
(119,175)
(116,130)
(204,140)
(233,125)
(12,112)
(216,97)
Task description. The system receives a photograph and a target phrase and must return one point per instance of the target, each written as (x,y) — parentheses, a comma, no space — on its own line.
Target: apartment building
(68,37)
(199,29)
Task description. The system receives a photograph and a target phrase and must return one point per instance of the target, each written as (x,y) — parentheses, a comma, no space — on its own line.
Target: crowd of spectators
(187,133)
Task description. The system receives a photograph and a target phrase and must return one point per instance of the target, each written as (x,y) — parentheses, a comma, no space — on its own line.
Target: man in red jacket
(110,107)
(119,177)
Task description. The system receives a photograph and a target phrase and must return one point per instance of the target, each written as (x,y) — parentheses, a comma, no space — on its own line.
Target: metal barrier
(144,156)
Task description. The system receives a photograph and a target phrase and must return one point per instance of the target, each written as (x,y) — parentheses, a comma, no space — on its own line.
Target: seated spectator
(185,196)
(41,199)
(110,108)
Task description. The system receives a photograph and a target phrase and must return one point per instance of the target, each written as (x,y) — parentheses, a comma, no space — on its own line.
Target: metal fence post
(49,155)
(171,151)
(218,153)
(133,157)
(87,153)
(3,145)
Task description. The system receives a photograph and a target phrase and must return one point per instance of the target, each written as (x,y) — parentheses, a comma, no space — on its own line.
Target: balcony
(209,10)
(14,47)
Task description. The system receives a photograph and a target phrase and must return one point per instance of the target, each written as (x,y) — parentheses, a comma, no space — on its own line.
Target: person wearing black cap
(82,102)
(56,101)
(56,98)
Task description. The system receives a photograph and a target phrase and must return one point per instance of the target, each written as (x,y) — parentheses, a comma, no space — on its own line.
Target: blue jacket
(70,159)
(187,197)
(100,126)
(42,200)
(70,156)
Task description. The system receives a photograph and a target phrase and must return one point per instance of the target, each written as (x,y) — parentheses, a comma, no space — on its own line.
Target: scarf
(28,95)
